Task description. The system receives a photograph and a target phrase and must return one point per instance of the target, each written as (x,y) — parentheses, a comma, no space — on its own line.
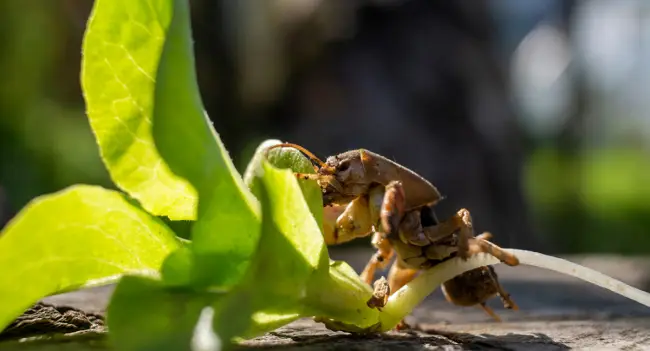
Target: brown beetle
(365,193)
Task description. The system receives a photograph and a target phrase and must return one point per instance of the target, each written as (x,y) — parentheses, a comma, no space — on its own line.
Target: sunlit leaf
(288,229)
(292,275)
(228,225)
(146,111)
(81,236)
(290,251)
(121,53)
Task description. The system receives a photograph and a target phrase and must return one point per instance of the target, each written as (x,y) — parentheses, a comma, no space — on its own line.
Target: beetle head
(349,170)
(342,178)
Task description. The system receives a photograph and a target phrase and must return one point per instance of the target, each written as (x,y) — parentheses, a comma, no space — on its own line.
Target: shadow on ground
(297,338)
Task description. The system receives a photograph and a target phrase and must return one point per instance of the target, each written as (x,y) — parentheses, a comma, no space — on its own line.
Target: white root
(403,301)
(587,274)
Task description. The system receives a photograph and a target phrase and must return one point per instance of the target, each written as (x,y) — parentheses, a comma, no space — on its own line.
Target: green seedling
(255,245)
(257,257)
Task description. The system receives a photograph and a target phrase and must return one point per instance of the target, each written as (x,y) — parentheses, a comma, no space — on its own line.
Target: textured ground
(556,313)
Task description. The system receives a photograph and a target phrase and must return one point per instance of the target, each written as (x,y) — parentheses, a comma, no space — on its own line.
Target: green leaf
(290,158)
(145,109)
(144,314)
(290,250)
(292,275)
(121,53)
(178,266)
(294,160)
(81,236)
(228,226)
(292,243)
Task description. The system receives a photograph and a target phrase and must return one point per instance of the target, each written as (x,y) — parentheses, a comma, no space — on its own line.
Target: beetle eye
(344,166)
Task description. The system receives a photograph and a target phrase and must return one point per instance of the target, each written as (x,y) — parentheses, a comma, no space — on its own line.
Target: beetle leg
(484,236)
(503,294)
(387,207)
(380,259)
(411,230)
(330,215)
(489,311)
(479,244)
(392,209)
(465,232)
(446,228)
(353,222)
(468,245)
(400,274)
(460,223)
(357,221)
(379,207)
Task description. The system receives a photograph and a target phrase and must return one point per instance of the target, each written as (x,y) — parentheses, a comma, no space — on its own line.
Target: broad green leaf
(338,291)
(292,245)
(177,268)
(152,118)
(144,314)
(292,275)
(122,50)
(228,225)
(290,251)
(80,236)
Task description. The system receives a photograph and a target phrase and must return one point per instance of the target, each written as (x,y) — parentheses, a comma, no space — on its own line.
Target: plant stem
(402,302)
(341,296)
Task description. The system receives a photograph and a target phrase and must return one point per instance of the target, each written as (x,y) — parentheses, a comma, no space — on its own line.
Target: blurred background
(531,114)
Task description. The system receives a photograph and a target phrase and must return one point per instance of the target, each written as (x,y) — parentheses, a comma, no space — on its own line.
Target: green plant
(256,243)
(256,259)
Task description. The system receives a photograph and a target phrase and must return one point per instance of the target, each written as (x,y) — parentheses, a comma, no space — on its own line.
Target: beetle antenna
(308,153)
